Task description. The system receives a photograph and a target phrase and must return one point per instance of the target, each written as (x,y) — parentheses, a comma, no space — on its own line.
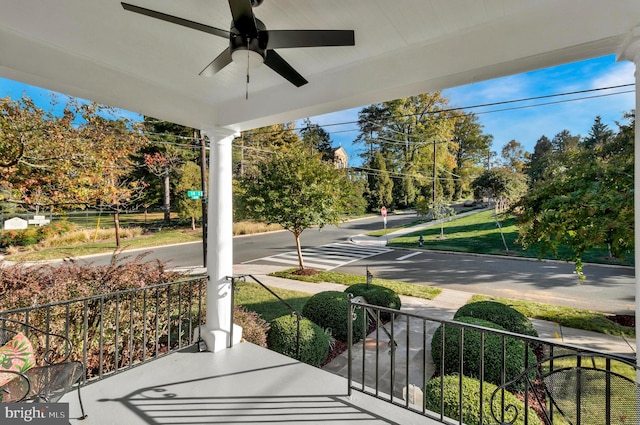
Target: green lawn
(565,316)
(479,233)
(255,298)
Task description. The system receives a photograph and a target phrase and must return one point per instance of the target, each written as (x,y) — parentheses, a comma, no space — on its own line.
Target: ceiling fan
(250,42)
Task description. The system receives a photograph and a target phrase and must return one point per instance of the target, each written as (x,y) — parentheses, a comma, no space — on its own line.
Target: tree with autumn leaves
(78,158)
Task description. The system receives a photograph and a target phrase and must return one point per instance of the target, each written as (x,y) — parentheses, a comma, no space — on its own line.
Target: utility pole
(203,178)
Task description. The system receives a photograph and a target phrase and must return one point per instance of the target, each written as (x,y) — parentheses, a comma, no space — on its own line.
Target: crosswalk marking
(326,257)
(404,257)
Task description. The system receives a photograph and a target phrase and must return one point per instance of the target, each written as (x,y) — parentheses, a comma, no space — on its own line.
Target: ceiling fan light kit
(249,40)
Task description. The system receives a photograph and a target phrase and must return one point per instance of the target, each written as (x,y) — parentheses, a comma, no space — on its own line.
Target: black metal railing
(298,316)
(495,376)
(116,331)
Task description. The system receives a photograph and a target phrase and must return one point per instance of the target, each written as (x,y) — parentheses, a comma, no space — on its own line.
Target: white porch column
(217,330)
(631,51)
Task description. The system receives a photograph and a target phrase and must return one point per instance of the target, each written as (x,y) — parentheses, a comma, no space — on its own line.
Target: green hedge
(330,310)
(500,314)
(514,349)
(471,402)
(376,295)
(314,341)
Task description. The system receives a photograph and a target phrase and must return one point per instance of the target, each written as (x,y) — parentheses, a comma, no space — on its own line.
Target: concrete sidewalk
(444,306)
(406,370)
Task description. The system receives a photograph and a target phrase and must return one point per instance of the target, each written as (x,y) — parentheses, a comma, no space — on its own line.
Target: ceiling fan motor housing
(239,44)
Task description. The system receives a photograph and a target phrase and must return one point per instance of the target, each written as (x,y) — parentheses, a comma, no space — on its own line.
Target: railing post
(233,307)
(579,390)
(349,343)
(298,319)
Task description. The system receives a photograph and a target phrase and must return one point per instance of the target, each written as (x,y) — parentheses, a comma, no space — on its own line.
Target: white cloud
(618,74)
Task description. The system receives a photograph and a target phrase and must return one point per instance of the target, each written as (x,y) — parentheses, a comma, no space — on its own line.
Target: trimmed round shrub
(330,310)
(515,351)
(314,341)
(500,314)
(471,402)
(254,327)
(376,295)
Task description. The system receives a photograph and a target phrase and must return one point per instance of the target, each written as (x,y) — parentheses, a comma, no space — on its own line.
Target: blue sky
(526,125)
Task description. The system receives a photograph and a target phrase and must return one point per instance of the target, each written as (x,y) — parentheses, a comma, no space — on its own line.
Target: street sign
(194,194)
(383,212)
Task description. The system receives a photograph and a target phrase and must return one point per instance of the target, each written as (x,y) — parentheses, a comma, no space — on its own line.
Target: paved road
(607,289)
(252,247)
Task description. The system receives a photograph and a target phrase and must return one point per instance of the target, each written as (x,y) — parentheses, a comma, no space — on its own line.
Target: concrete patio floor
(245,384)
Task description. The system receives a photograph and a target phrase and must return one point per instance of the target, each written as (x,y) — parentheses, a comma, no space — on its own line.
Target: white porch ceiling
(96,50)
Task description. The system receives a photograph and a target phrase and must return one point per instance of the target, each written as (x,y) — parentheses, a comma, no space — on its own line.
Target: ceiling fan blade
(222,60)
(243,18)
(280,39)
(175,20)
(279,65)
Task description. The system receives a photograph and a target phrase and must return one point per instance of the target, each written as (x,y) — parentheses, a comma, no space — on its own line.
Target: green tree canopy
(429,149)
(514,156)
(296,190)
(470,147)
(540,160)
(189,178)
(500,183)
(588,204)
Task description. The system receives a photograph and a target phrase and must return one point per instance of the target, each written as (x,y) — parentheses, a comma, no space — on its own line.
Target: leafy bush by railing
(27,286)
(116,315)
(118,330)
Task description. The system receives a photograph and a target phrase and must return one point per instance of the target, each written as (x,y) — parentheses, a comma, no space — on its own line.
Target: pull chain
(246,93)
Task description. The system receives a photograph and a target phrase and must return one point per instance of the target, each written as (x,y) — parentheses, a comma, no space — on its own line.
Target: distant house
(340,158)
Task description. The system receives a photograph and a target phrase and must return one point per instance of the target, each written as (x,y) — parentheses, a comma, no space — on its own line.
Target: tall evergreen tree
(317,139)
(540,161)
(380,188)
(587,203)
(565,142)
(598,135)
(171,146)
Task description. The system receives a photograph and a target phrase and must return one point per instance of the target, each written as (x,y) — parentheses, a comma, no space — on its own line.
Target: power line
(505,102)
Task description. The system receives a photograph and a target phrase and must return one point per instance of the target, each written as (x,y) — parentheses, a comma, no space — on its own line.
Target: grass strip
(400,288)
(101,247)
(565,316)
